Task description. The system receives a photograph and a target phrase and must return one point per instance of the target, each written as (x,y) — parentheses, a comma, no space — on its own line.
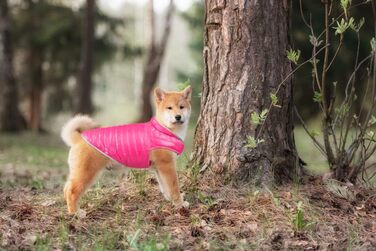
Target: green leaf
(252,142)
(372,121)
(259,118)
(293,56)
(370,134)
(183,85)
(263,114)
(314,61)
(314,133)
(317,97)
(373,44)
(345,4)
(342,111)
(274,99)
(343,26)
(133,238)
(355,27)
(313,40)
(255,118)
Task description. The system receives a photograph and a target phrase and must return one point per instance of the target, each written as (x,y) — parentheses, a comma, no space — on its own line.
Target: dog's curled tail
(71,131)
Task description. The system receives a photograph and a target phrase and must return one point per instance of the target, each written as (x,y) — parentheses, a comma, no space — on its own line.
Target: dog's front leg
(162,187)
(164,161)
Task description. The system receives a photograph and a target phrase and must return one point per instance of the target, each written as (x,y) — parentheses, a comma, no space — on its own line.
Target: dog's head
(173,109)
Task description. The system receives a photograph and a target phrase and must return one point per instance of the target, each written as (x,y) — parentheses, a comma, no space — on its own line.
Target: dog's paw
(185,204)
(80,214)
(181,204)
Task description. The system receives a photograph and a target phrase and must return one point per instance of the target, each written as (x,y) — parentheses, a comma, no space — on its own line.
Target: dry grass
(126,211)
(218,219)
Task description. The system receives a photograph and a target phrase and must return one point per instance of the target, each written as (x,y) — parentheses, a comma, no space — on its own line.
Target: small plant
(150,244)
(345,144)
(140,180)
(207,200)
(254,197)
(42,243)
(37,184)
(298,220)
(108,241)
(347,133)
(195,220)
(348,140)
(193,174)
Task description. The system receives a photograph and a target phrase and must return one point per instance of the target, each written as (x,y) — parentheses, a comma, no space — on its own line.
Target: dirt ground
(121,217)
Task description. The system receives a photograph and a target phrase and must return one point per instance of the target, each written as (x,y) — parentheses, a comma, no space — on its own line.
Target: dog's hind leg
(86,166)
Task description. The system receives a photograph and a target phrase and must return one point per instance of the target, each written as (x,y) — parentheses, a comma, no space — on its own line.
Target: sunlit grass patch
(34,150)
(307,151)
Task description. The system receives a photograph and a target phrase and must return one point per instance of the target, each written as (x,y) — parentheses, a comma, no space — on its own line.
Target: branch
(319,146)
(283,81)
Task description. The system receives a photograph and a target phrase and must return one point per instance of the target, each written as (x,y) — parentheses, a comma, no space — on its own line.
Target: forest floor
(125,210)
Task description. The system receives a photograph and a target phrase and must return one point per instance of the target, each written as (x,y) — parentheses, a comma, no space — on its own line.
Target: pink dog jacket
(131,144)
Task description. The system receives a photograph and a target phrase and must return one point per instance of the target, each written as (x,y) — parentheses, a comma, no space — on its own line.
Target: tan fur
(85,163)
(71,131)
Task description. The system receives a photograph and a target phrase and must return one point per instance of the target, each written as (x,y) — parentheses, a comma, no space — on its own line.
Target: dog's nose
(178,117)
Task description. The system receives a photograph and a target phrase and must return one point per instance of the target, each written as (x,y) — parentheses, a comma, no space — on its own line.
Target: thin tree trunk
(155,54)
(36,90)
(245,45)
(85,85)
(10,116)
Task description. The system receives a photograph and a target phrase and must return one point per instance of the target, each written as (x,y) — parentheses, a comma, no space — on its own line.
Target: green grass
(307,151)
(33,150)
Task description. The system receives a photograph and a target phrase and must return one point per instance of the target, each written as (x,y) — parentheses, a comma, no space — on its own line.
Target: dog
(93,148)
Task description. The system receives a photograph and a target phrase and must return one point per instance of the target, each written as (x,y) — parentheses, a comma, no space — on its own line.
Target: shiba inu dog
(146,145)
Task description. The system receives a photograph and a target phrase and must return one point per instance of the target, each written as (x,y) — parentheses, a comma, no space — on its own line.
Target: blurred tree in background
(154,57)
(84,83)
(48,51)
(10,115)
(195,19)
(48,56)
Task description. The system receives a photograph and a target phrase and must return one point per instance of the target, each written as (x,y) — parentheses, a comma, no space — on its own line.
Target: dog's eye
(170,108)
(181,107)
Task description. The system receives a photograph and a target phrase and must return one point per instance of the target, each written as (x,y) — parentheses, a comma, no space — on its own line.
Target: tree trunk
(245,45)
(36,90)
(153,62)
(10,115)
(84,83)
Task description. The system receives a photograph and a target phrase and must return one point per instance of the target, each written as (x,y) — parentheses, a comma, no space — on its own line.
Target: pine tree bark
(85,85)
(155,54)
(10,115)
(245,45)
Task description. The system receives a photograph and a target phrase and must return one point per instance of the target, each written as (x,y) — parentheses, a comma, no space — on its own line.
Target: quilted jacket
(130,145)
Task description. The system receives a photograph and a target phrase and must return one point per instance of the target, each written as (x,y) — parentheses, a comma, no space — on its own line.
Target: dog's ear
(187,92)
(159,94)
